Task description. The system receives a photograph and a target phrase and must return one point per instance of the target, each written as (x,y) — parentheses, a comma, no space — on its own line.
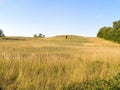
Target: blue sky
(56,17)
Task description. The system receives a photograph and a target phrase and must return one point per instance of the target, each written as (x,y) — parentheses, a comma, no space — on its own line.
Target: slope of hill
(57,63)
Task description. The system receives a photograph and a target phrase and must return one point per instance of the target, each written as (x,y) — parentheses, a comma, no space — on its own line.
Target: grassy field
(56,63)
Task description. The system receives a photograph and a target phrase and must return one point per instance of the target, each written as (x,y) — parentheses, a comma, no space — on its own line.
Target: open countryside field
(56,63)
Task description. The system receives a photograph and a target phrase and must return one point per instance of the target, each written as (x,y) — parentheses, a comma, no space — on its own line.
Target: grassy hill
(57,63)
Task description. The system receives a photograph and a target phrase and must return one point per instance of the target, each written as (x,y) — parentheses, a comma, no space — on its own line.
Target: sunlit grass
(55,63)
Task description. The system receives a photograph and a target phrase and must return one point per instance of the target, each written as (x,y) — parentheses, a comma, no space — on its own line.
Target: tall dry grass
(55,63)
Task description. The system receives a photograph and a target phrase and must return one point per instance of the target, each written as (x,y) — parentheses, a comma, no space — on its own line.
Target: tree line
(39,35)
(35,35)
(110,33)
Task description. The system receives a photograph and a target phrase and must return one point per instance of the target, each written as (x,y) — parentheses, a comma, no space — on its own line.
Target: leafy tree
(43,36)
(116,24)
(35,35)
(39,35)
(111,33)
(107,33)
(1,33)
(104,32)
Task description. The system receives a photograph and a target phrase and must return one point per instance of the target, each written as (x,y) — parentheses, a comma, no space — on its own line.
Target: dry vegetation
(55,63)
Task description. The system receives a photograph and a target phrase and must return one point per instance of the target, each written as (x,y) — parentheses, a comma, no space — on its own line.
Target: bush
(111,33)
(109,83)
(39,35)
(1,33)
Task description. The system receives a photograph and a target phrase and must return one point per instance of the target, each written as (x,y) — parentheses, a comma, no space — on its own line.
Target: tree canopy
(110,33)
(1,33)
(39,35)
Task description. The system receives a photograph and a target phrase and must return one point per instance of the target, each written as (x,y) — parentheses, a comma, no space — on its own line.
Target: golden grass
(55,63)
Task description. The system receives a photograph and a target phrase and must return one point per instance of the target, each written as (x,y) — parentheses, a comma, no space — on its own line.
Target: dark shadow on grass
(21,39)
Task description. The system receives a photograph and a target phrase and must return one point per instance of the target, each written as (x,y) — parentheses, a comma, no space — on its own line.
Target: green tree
(104,32)
(108,33)
(1,33)
(35,35)
(40,35)
(111,33)
(116,24)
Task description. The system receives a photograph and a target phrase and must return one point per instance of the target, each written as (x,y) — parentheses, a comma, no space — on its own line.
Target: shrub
(1,33)
(110,33)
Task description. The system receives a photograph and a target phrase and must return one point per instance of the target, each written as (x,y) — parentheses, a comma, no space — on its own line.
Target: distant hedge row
(111,33)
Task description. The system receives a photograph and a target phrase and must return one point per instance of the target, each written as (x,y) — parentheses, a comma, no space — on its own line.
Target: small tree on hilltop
(39,35)
(1,33)
(35,35)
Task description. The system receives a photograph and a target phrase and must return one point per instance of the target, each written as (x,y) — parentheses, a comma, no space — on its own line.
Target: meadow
(56,63)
